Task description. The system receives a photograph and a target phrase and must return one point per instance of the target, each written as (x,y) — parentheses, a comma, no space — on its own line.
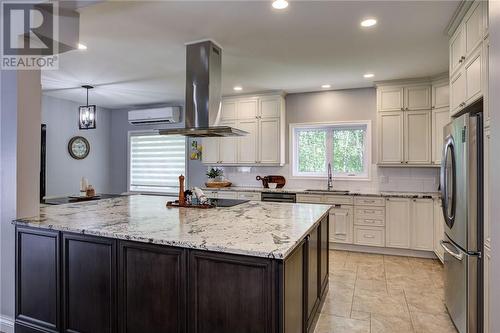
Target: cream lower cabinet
(341,224)
(397,222)
(422,225)
(487,289)
(438,229)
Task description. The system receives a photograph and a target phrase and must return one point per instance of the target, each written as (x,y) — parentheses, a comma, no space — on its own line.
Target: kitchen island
(130,264)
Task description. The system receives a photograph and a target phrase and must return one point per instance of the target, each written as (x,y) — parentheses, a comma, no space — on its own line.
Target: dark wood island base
(70,283)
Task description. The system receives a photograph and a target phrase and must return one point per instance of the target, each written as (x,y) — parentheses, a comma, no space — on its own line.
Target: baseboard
(6,324)
(383,250)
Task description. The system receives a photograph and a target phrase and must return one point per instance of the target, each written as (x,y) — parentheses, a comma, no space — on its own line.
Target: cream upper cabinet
(210,153)
(457,93)
(270,107)
(269,151)
(341,224)
(440,94)
(422,224)
(473,28)
(390,137)
(486,190)
(440,118)
(228,146)
(457,50)
(417,137)
(247,144)
(247,108)
(228,110)
(438,229)
(485,77)
(417,97)
(397,222)
(473,81)
(390,99)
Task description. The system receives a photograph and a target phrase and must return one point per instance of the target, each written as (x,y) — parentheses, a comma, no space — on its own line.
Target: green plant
(214,173)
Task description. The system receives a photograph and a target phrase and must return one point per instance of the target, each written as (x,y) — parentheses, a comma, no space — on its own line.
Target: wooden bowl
(216,184)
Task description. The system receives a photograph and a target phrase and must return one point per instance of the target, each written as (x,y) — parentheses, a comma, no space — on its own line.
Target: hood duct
(203,93)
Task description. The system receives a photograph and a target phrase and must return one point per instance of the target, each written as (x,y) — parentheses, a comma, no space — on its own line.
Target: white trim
(383,250)
(368,148)
(6,324)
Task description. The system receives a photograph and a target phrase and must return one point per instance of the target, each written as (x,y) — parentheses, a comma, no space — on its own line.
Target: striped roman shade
(156,161)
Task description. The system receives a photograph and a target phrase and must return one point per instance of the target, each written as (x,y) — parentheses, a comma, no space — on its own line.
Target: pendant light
(86,119)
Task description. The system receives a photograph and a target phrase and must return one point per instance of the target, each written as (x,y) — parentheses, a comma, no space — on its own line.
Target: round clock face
(78,147)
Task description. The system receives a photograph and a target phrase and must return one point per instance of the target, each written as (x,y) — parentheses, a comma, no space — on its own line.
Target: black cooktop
(226,202)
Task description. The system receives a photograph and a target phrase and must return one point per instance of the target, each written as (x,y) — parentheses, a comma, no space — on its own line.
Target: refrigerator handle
(444,245)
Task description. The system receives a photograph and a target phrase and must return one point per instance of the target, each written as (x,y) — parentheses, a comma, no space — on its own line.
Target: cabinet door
(37,279)
(152,284)
(210,154)
(89,284)
(457,92)
(417,97)
(293,313)
(397,222)
(440,118)
(417,137)
(438,229)
(441,95)
(312,274)
(487,290)
(247,145)
(228,110)
(487,200)
(228,147)
(473,79)
(457,50)
(390,98)
(486,77)
(270,107)
(269,149)
(422,224)
(390,137)
(247,108)
(324,253)
(341,224)
(473,27)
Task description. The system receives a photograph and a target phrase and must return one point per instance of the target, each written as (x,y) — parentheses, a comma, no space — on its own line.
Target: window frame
(329,154)
(186,159)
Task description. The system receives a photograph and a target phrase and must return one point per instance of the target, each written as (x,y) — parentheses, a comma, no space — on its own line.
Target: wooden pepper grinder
(182,199)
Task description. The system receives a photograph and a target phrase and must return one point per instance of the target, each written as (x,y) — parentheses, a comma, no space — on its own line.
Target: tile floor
(371,293)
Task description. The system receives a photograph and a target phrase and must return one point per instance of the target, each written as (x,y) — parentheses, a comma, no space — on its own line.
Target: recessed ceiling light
(280,4)
(326,86)
(82,46)
(368,75)
(368,22)
(237,88)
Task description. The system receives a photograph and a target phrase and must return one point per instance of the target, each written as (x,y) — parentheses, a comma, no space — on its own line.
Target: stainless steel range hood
(203,94)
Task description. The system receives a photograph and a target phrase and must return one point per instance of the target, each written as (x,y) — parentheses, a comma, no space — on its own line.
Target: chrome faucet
(330,179)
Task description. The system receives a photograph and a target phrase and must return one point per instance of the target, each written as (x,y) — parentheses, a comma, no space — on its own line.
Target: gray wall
(63,171)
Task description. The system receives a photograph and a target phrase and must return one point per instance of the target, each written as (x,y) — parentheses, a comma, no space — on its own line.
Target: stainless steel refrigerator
(462,195)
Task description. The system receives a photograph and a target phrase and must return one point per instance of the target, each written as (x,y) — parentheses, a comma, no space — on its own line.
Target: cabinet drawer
(369,212)
(227,195)
(366,221)
(211,194)
(369,201)
(338,199)
(249,196)
(311,198)
(371,236)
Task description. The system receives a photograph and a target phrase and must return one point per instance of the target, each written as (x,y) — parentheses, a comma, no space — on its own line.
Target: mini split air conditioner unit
(165,115)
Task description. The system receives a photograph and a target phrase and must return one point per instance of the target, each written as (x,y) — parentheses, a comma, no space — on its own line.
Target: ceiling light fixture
(82,46)
(368,75)
(86,113)
(368,22)
(237,88)
(326,86)
(280,4)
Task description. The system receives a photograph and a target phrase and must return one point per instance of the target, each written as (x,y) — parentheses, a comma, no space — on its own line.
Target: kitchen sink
(329,191)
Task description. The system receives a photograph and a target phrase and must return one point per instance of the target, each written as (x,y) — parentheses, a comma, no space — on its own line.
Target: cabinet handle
(402,109)
(407,109)
(368,236)
(463,58)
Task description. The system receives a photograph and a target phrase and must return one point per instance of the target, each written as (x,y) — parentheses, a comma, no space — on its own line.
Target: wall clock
(78,147)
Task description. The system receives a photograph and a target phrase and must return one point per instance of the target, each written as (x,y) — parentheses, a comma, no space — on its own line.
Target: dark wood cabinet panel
(37,279)
(324,253)
(293,306)
(89,284)
(312,297)
(26,328)
(152,288)
(230,293)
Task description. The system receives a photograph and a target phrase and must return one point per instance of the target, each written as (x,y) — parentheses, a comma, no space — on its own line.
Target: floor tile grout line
(409,312)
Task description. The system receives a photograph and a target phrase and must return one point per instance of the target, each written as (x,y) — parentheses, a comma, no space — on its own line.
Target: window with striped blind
(155,162)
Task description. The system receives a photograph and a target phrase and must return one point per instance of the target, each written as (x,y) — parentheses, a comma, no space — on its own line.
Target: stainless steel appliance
(462,196)
(278,197)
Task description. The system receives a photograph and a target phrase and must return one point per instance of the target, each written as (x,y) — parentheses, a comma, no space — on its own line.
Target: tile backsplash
(382,179)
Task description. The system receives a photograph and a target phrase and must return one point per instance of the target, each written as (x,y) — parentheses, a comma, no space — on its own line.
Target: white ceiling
(136,52)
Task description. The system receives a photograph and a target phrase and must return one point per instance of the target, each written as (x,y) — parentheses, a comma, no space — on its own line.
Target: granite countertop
(262,229)
(399,194)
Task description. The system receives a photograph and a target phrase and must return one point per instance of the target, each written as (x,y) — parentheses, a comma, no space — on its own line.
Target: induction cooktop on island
(226,202)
